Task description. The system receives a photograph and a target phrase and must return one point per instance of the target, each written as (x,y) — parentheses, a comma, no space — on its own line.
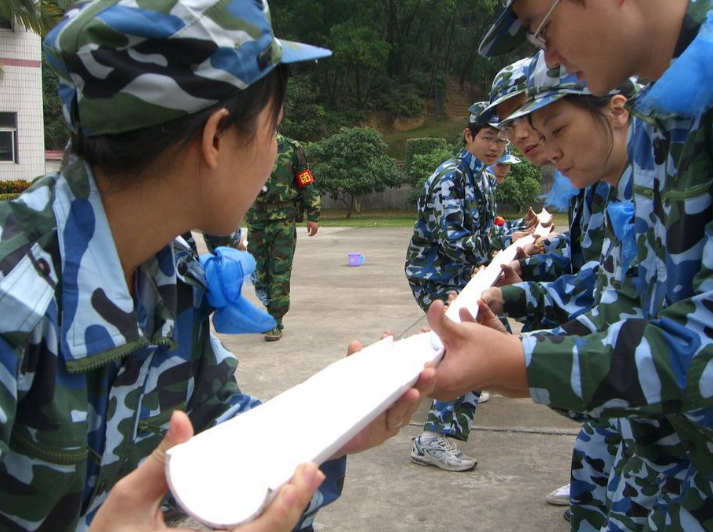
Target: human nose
(553,58)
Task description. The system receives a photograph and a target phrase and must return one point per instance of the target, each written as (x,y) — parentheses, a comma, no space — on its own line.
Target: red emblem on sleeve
(499,221)
(305,178)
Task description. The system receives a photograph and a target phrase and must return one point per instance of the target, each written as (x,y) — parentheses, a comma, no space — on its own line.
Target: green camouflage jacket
(89,375)
(658,364)
(282,196)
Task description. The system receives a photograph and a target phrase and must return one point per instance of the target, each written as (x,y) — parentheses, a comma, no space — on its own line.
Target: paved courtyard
(523,449)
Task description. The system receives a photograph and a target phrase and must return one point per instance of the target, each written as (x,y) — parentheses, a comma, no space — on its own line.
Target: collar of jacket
(98,320)
(470,162)
(641,105)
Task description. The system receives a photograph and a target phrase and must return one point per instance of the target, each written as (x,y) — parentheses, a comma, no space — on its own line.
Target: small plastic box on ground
(355,259)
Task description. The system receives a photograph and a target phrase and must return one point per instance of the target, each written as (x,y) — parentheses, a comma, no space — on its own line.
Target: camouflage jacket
(454,230)
(546,305)
(656,364)
(568,252)
(281,196)
(89,375)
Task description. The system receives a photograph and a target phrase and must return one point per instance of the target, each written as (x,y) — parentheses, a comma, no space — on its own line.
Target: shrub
(353,163)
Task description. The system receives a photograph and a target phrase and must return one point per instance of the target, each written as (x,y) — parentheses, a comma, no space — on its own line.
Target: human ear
(618,114)
(211,140)
(467,135)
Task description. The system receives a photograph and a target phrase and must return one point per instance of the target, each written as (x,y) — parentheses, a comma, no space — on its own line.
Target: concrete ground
(523,449)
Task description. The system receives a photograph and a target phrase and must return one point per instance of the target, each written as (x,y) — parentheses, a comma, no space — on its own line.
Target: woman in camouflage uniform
(105,337)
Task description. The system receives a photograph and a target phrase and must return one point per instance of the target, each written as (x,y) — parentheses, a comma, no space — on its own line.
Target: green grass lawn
(337,218)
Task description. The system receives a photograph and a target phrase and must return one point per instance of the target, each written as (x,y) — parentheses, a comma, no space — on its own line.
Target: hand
(476,357)
(531,220)
(527,251)
(493,298)
(134,505)
(509,275)
(388,424)
(517,235)
(475,272)
(488,318)
(312,228)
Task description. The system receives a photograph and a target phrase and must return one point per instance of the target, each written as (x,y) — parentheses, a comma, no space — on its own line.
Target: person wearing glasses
(455,232)
(653,369)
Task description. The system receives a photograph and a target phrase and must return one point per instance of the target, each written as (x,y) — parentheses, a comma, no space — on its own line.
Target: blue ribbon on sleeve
(621,215)
(225,271)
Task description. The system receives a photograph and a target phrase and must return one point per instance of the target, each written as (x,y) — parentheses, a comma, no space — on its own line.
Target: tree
(56,131)
(305,118)
(353,163)
(521,187)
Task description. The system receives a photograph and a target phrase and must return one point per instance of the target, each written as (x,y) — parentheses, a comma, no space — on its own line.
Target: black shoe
(567,515)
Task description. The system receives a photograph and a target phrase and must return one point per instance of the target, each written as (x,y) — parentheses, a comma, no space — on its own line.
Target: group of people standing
(106,353)
(616,311)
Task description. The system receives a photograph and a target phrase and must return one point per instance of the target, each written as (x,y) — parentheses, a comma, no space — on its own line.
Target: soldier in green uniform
(286,198)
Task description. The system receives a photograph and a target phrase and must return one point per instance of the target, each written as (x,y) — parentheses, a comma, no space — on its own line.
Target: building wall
(21,93)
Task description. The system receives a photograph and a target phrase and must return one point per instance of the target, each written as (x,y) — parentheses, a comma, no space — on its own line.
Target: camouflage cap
(508,157)
(476,115)
(546,85)
(510,81)
(126,65)
(506,34)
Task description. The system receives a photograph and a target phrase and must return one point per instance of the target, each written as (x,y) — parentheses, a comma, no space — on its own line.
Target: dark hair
(476,128)
(596,105)
(124,153)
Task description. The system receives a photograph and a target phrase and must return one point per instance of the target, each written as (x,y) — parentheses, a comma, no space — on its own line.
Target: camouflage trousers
(611,489)
(426,292)
(273,244)
(453,418)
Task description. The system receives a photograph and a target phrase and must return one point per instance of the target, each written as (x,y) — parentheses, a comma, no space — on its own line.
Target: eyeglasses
(508,132)
(500,139)
(535,38)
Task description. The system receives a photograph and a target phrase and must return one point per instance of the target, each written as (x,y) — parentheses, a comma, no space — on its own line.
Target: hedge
(13,186)
(422,146)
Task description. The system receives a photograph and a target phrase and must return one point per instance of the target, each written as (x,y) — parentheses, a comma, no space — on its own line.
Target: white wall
(21,92)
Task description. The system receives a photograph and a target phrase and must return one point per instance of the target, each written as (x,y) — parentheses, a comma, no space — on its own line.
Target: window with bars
(8,138)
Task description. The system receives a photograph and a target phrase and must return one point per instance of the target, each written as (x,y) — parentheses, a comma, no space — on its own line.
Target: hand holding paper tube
(200,476)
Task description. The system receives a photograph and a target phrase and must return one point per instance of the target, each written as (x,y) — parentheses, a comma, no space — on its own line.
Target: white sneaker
(484,398)
(441,452)
(559,497)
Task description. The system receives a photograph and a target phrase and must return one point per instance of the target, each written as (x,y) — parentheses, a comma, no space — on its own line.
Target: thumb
(149,480)
(441,324)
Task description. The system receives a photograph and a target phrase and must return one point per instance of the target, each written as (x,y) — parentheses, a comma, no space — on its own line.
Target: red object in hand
(499,221)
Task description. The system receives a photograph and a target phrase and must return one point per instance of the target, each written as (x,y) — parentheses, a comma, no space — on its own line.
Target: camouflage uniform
(653,368)
(570,264)
(271,221)
(454,230)
(89,372)
(88,375)
(454,233)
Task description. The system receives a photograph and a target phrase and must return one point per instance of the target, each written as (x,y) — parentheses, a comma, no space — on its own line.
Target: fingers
(386,334)
(353,347)
(136,499)
(285,511)
(466,316)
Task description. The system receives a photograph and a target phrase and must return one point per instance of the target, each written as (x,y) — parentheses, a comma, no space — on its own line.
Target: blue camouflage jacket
(658,364)
(545,305)
(567,253)
(454,230)
(89,375)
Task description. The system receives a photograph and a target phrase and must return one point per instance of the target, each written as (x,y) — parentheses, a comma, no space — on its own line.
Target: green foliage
(421,146)
(521,187)
(39,16)
(56,131)
(13,187)
(305,118)
(352,163)
(423,165)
